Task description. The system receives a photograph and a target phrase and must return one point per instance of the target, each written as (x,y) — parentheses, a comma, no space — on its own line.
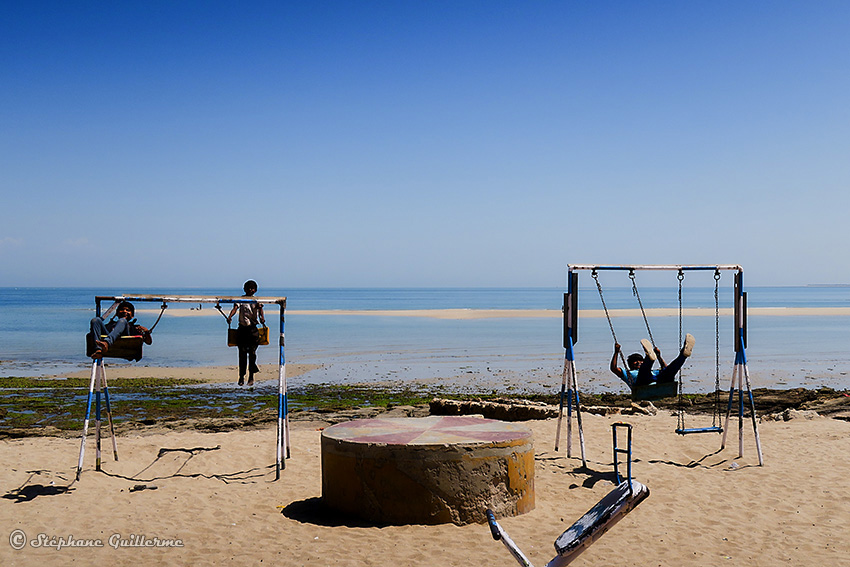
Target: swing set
(130,348)
(740,376)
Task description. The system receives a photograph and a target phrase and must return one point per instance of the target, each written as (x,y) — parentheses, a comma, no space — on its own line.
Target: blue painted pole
(86,423)
(569,367)
(109,415)
(282,425)
(98,374)
(97,415)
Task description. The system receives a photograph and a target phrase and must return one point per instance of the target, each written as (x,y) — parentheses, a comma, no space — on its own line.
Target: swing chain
(164,306)
(595,277)
(640,303)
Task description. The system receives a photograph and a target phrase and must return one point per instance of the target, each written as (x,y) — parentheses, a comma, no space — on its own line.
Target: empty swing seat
(715,429)
(599,519)
(126,347)
(590,527)
(655,391)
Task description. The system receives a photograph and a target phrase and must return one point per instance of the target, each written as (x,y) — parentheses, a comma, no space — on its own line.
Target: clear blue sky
(420,143)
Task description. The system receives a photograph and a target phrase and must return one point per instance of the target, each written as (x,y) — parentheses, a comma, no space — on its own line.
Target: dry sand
(216,493)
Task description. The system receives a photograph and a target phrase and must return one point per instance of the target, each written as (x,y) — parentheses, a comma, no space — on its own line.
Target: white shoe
(688,347)
(647,348)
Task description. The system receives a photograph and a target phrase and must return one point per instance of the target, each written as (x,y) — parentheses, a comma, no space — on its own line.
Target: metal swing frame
(740,374)
(98,375)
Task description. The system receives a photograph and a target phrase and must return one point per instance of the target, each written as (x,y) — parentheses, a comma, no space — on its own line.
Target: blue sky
(411,143)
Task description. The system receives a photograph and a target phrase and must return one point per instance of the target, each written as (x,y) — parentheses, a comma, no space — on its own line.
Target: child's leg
(98,329)
(252,362)
(243,361)
(668,373)
(119,329)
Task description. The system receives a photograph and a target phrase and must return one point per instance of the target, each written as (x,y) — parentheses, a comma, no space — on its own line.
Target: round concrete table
(428,470)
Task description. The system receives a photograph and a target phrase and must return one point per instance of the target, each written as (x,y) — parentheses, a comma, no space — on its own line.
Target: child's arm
(614,368)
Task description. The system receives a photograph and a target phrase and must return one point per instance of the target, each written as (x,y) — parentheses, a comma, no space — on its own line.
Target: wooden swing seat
(607,512)
(655,391)
(262,340)
(589,528)
(126,347)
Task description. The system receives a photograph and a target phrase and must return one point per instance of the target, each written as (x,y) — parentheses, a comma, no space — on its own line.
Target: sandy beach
(214,500)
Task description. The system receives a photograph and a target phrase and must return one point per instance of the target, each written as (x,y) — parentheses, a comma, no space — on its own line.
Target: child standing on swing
(247,334)
(640,372)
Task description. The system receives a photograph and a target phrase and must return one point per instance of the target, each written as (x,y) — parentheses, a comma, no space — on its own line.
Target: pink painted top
(432,430)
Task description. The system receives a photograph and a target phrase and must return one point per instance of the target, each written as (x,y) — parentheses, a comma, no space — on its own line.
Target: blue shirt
(631,376)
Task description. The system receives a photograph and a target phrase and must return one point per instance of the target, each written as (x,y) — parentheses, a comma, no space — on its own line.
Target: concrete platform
(429,470)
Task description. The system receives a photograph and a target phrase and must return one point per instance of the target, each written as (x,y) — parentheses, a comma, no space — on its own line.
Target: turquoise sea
(42,333)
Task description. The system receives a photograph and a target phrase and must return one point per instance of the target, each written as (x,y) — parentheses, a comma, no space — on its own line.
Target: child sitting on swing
(104,334)
(640,372)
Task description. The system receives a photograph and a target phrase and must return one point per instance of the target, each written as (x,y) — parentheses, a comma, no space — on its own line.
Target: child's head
(634,361)
(125,309)
(250,287)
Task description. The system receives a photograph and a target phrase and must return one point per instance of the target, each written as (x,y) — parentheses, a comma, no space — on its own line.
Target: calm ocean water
(42,332)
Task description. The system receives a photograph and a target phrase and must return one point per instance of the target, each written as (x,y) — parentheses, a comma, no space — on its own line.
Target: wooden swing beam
(98,380)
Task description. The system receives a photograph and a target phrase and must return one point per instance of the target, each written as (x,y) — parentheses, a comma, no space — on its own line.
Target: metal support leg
(88,416)
(109,414)
(569,394)
(282,417)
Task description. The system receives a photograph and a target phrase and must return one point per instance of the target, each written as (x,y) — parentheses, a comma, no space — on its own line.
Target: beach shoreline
(467,314)
(349,400)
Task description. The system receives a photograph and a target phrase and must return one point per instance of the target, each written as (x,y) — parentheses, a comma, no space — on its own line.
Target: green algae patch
(19,382)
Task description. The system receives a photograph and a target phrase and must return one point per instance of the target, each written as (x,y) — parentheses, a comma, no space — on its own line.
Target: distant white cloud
(77,242)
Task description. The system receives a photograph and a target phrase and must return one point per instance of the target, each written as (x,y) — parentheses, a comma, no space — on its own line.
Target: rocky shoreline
(770,405)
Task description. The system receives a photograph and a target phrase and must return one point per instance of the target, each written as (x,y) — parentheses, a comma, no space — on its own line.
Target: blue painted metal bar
(109,414)
(627,451)
(282,413)
(97,417)
(569,388)
(86,422)
(561,398)
(578,411)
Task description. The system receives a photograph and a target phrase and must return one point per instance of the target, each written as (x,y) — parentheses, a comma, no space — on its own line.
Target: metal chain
(637,294)
(595,277)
